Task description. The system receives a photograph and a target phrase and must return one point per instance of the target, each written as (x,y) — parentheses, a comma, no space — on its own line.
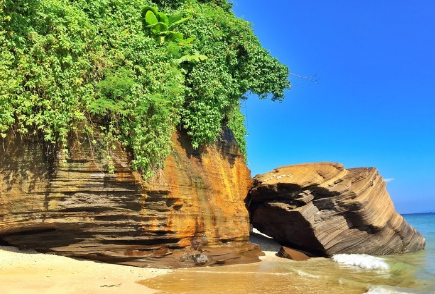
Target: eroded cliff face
(190,213)
(325,209)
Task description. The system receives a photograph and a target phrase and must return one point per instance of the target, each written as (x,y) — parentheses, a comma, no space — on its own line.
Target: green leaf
(148,8)
(175,17)
(163,18)
(159,28)
(151,18)
(176,23)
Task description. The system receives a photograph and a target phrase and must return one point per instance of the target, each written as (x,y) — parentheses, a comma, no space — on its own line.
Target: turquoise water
(345,273)
(423,262)
(413,272)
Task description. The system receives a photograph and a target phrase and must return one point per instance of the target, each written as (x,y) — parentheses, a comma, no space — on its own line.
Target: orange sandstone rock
(325,209)
(193,207)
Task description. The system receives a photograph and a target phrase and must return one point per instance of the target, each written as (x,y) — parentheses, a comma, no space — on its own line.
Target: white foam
(362,260)
(392,290)
(305,274)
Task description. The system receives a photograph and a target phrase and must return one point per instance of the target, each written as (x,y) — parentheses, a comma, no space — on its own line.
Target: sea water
(343,273)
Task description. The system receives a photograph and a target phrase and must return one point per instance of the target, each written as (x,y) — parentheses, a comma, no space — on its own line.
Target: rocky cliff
(326,209)
(192,212)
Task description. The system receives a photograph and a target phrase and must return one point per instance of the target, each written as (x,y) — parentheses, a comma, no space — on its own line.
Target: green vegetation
(133,70)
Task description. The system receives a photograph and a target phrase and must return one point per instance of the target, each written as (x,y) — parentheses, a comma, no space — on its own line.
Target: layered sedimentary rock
(325,209)
(190,213)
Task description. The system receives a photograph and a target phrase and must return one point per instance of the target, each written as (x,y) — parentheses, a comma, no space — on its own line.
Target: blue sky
(373,102)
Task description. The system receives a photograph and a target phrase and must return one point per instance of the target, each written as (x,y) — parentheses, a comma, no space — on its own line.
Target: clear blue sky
(373,104)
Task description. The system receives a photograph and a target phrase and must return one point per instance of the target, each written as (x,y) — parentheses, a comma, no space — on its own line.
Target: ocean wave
(362,260)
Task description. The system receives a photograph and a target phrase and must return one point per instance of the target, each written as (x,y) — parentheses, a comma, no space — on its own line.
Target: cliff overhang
(190,213)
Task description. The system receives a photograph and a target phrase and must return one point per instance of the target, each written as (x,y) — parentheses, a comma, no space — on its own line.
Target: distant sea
(344,273)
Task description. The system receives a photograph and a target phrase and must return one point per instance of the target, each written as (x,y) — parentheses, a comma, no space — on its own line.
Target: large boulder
(193,208)
(326,209)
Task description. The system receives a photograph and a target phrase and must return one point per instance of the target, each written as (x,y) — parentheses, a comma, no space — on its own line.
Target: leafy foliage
(175,4)
(124,68)
(236,64)
(162,26)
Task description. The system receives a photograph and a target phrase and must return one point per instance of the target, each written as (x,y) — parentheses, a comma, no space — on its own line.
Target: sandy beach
(29,272)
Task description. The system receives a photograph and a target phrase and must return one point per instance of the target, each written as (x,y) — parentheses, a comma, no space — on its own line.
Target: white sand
(30,272)
(269,246)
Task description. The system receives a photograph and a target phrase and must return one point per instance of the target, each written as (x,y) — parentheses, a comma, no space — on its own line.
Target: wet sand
(273,275)
(29,272)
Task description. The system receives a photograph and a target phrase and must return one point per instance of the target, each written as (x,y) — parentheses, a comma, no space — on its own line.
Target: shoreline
(30,272)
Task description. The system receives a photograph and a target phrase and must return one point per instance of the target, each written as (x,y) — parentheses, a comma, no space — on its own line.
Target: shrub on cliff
(79,66)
